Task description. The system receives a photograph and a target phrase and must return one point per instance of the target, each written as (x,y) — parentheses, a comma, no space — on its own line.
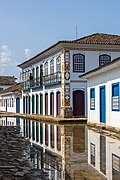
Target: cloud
(7,61)
(5,55)
(27,53)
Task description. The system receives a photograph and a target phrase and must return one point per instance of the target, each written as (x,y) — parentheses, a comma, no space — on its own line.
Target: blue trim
(102,104)
(118,94)
(17,105)
(104,55)
(92,96)
(80,71)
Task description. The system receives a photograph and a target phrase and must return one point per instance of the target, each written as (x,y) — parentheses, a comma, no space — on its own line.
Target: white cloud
(5,55)
(27,53)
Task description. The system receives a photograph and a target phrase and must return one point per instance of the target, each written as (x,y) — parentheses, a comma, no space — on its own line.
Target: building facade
(11,99)
(51,85)
(104,94)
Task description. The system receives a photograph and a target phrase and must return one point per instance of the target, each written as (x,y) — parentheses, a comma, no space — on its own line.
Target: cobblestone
(14,157)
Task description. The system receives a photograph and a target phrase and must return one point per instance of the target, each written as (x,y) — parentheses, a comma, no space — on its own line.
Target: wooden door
(46,104)
(102,105)
(78,103)
(17,105)
(58,103)
(41,104)
(37,105)
(52,104)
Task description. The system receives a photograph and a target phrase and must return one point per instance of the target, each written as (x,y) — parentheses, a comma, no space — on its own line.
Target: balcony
(52,78)
(45,80)
(26,85)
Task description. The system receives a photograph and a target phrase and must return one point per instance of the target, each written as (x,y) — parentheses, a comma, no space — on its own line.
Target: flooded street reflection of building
(104,154)
(63,150)
(70,151)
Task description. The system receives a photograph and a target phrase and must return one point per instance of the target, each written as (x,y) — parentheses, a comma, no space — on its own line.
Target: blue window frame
(92,98)
(104,59)
(115,97)
(78,63)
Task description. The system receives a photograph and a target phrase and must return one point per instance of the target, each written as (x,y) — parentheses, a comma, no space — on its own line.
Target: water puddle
(68,151)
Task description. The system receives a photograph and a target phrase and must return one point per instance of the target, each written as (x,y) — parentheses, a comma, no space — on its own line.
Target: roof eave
(114,64)
(42,54)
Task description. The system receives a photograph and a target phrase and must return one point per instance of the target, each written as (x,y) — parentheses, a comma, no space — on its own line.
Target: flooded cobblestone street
(14,154)
(41,151)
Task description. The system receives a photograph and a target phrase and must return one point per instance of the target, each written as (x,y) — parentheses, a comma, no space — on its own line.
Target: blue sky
(29,26)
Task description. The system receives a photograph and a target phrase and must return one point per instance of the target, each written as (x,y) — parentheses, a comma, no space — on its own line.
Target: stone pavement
(14,157)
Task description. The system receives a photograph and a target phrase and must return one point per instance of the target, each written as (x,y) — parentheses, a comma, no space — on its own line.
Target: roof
(15,88)
(7,80)
(100,38)
(110,65)
(97,38)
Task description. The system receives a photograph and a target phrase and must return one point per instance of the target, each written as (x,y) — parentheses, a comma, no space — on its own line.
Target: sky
(27,27)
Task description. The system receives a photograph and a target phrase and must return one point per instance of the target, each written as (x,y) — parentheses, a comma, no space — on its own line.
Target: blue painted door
(102,105)
(17,105)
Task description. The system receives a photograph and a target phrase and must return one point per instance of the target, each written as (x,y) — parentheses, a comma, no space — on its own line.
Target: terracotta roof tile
(97,38)
(7,80)
(14,88)
(100,38)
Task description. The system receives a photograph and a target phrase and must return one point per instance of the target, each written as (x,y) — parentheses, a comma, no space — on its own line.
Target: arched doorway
(33,99)
(78,103)
(17,105)
(46,103)
(58,103)
(24,104)
(37,105)
(29,99)
(41,104)
(52,104)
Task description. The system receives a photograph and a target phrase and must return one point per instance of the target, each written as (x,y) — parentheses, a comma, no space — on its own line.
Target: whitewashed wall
(107,79)
(91,60)
(11,109)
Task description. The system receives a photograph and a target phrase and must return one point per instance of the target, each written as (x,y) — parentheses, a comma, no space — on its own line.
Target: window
(92,99)
(115,166)
(92,154)
(115,97)
(52,66)
(12,102)
(58,64)
(46,69)
(33,73)
(9,102)
(78,63)
(37,72)
(104,59)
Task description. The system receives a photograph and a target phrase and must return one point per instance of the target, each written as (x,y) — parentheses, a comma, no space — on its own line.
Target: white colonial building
(51,85)
(103,85)
(11,99)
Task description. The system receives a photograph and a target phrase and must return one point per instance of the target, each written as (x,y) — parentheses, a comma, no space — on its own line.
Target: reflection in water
(70,151)
(104,154)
